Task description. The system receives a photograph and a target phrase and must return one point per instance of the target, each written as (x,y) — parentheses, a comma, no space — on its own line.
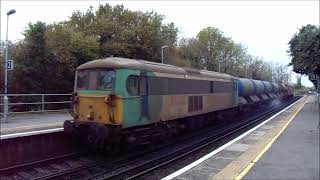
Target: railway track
(84,166)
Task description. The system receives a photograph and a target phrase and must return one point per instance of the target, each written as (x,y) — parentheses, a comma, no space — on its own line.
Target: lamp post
(318,96)
(219,65)
(5,99)
(163,47)
(246,70)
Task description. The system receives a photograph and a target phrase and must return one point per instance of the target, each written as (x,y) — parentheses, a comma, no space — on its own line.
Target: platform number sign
(313,77)
(9,65)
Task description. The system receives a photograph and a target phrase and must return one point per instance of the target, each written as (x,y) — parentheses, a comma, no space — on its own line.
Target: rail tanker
(118,99)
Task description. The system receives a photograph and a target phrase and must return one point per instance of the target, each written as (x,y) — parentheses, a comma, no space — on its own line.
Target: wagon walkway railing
(26,103)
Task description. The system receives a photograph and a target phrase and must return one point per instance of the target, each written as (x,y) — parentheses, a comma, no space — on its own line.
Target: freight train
(118,99)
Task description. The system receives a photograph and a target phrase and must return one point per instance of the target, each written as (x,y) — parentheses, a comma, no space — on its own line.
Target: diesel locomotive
(119,99)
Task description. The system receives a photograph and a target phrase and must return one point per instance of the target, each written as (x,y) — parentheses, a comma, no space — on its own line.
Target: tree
(71,47)
(304,49)
(211,44)
(280,73)
(37,70)
(125,33)
(31,72)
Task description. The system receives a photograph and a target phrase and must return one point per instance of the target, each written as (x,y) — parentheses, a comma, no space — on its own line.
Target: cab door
(143,97)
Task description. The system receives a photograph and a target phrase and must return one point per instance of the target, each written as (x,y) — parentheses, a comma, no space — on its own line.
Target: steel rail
(37,162)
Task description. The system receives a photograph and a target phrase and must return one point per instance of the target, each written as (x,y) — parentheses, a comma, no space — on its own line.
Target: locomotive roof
(125,63)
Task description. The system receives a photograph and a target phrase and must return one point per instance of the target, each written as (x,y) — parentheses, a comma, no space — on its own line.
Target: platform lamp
(5,99)
(163,47)
(221,61)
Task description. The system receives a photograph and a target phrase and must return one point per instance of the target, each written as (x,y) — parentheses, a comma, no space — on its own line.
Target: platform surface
(33,121)
(295,153)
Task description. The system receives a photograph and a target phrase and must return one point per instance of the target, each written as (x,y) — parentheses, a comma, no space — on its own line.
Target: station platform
(24,122)
(295,154)
(285,146)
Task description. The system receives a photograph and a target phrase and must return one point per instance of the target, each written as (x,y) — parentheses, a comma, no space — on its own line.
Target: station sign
(313,77)
(9,65)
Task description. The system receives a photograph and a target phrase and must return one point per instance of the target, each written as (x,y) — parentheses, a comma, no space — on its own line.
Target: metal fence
(22,103)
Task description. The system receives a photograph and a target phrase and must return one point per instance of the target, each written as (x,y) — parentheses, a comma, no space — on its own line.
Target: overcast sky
(265,27)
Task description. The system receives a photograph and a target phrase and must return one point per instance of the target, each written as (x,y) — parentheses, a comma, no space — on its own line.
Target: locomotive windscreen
(95,79)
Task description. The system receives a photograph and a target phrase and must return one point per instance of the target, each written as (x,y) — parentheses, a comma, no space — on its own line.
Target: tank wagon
(254,91)
(118,98)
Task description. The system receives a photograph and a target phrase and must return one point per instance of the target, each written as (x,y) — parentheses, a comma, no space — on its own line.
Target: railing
(22,103)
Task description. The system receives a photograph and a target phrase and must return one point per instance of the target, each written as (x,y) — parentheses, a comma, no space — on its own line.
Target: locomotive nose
(102,109)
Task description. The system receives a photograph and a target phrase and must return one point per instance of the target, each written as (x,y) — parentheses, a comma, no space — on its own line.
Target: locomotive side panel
(179,106)
(196,95)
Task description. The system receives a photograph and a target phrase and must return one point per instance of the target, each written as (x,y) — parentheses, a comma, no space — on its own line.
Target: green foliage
(304,49)
(125,33)
(35,69)
(70,47)
(30,56)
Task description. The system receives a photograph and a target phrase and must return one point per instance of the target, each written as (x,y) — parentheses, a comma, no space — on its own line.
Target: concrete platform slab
(238,147)
(295,154)
(18,123)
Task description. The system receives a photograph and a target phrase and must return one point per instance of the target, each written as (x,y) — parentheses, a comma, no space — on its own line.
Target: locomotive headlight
(90,116)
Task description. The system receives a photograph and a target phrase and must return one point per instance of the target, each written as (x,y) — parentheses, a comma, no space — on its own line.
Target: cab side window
(133,85)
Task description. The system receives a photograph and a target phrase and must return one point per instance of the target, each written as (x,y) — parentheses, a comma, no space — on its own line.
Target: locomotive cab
(95,103)
(94,99)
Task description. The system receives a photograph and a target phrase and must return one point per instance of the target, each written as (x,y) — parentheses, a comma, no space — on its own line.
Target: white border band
(30,133)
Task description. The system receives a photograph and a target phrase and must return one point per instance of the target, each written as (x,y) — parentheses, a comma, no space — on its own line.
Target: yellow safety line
(246,170)
(31,126)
